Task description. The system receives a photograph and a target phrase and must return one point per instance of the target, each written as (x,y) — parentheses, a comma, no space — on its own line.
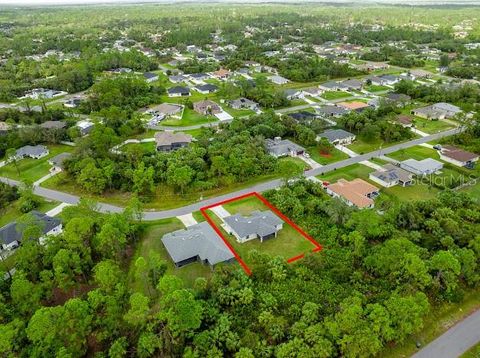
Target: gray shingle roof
(207,87)
(336,134)
(30,150)
(280,147)
(262,223)
(178,89)
(197,240)
(13,231)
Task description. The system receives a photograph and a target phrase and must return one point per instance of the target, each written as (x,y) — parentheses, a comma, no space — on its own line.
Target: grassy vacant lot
(376,88)
(148,147)
(429,126)
(151,242)
(331,95)
(436,323)
(334,156)
(417,152)
(289,243)
(12,212)
(190,118)
(349,173)
(33,169)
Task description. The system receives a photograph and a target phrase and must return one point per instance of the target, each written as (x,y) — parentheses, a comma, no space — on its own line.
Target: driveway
(221,212)
(187,220)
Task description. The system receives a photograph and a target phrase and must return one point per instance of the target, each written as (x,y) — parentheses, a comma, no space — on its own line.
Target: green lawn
(33,169)
(190,118)
(11,213)
(430,126)
(417,152)
(376,88)
(439,320)
(349,173)
(473,352)
(331,95)
(410,193)
(237,113)
(289,243)
(151,242)
(360,146)
(335,155)
(147,147)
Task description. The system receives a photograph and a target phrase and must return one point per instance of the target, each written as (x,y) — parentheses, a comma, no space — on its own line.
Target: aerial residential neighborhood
(281,179)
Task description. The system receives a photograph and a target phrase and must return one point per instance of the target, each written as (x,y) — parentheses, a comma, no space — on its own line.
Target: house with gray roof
(52,125)
(278,80)
(391,175)
(437,111)
(243,103)
(279,147)
(337,136)
(198,242)
(57,161)
(178,91)
(150,77)
(262,225)
(168,141)
(11,235)
(353,84)
(423,167)
(206,88)
(331,111)
(177,78)
(31,151)
(332,86)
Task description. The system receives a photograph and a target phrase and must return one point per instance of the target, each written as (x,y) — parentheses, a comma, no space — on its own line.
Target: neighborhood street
(456,341)
(157,215)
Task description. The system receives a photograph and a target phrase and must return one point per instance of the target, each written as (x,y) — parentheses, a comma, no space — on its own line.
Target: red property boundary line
(203,210)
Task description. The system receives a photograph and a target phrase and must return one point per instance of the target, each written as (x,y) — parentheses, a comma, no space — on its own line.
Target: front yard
(331,95)
(335,155)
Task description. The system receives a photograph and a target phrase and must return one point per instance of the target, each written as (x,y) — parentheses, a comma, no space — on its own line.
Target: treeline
(376,280)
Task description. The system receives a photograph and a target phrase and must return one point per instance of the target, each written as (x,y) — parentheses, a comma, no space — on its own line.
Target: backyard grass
(289,242)
(335,155)
(439,320)
(429,126)
(33,169)
(417,152)
(190,118)
(349,173)
(376,88)
(12,212)
(151,242)
(331,95)
(148,147)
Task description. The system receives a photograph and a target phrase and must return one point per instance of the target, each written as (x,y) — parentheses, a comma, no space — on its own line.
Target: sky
(76,2)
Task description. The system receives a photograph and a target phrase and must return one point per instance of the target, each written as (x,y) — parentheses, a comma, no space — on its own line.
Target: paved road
(157,215)
(456,341)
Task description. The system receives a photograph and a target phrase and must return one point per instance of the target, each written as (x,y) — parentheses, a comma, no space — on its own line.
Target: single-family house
(458,157)
(198,242)
(278,80)
(11,235)
(353,84)
(303,116)
(198,78)
(178,91)
(177,78)
(57,161)
(222,74)
(243,103)
(332,86)
(53,125)
(206,88)
(398,98)
(337,136)
(150,77)
(292,94)
(331,111)
(168,141)
(207,107)
(405,120)
(422,167)
(72,102)
(356,106)
(356,192)
(419,74)
(163,111)
(437,111)
(279,147)
(31,151)
(313,91)
(391,175)
(263,225)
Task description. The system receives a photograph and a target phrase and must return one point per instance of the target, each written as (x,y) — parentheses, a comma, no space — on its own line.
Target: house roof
(58,160)
(53,125)
(14,232)
(207,87)
(397,96)
(197,240)
(423,166)
(221,72)
(458,154)
(178,89)
(276,78)
(331,85)
(404,119)
(354,191)
(353,105)
(30,150)
(149,75)
(447,107)
(166,108)
(243,101)
(331,110)
(205,104)
(336,134)
(177,78)
(282,146)
(302,115)
(198,75)
(392,173)
(261,223)
(352,83)
(169,138)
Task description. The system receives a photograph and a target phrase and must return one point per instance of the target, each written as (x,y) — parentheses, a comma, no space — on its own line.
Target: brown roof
(354,191)
(203,106)
(404,119)
(169,138)
(353,105)
(458,154)
(222,72)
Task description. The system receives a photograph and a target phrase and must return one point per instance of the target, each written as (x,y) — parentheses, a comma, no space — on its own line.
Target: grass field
(33,169)
(349,173)
(190,118)
(289,242)
(331,95)
(12,212)
(417,152)
(334,156)
(429,126)
(376,88)
(151,242)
